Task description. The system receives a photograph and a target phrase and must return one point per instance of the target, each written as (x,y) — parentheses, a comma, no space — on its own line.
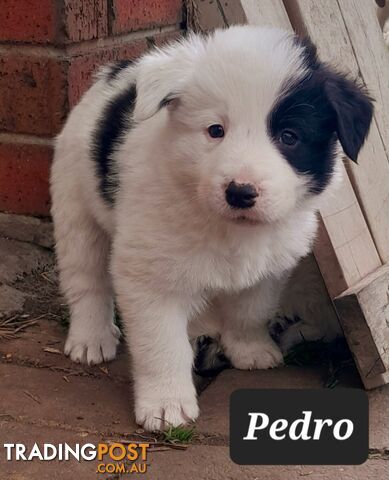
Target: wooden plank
(377,381)
(360,19)
(372,58)
(328,262)
(233,12)
(266,12)
(206,15)
(324,23)
(351,241)
(364,311)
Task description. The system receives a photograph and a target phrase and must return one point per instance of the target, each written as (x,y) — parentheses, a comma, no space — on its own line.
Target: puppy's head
(252,120)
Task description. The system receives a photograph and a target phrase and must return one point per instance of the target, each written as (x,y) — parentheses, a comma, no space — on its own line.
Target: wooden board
(364,310)
(206,15)
(266,12)
(350,239)
(360,20)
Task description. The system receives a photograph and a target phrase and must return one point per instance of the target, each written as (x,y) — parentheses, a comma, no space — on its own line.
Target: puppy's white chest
(230,272)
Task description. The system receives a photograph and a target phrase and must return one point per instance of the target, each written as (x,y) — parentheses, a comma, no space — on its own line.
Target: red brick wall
(49,50)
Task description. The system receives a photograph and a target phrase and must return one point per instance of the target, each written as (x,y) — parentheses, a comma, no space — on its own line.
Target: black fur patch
(320,108)
(209,357)
(116,68)
(305,110)
(115,122)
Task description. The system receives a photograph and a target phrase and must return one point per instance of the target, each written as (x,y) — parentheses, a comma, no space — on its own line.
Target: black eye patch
(305,111)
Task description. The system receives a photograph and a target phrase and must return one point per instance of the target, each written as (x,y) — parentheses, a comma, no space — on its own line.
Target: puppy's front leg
(245,337)
(156,332)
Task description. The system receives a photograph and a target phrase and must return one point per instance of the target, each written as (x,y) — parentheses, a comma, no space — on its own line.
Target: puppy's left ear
(354,111)
(157,83)
(162,74)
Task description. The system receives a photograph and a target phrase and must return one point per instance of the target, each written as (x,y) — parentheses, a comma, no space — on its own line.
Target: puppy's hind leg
(83,250)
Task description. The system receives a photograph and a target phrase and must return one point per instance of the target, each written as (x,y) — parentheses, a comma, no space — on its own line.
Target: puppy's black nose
(241,195)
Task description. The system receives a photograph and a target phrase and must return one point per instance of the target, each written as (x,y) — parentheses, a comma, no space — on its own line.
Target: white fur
(179,256)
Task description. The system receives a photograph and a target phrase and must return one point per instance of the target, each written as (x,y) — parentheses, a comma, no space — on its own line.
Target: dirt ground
(45,398)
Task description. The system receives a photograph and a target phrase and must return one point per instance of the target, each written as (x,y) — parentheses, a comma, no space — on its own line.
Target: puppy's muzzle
(241,195)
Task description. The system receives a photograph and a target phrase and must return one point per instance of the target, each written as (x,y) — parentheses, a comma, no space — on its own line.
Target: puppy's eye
(288,138)
(216,131)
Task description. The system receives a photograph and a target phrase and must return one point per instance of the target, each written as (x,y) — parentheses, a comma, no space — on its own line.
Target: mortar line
(86,46)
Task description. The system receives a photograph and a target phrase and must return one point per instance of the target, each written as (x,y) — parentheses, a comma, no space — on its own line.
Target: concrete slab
(214,402)
(198,462)
(19,258)
(213,463)
(42,346)
(379,418)
(13,432)
(27,229)
(11,300)
(44,397)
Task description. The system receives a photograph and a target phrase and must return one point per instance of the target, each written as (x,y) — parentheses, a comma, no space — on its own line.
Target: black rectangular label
(299,427)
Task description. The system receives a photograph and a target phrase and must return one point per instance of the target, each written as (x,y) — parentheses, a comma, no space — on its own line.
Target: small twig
(43,274)
(52,350)
(159,449)
(174,446)
(36,399)
(25,325)
(9,320)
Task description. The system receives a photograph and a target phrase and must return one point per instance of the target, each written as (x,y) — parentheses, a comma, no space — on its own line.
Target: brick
(28,20)
(85,19)
(24,178)
(83,66)
(33,98)
(131,15)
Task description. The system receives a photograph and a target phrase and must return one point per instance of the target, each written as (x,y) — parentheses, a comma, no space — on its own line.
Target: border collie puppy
(185,185)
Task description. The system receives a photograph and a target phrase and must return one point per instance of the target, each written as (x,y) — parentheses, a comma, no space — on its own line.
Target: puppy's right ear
(353,108)
(161,75)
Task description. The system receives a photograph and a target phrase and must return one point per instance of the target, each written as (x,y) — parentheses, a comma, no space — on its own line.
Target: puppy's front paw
(252,354)
(92,347)
(159,412)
